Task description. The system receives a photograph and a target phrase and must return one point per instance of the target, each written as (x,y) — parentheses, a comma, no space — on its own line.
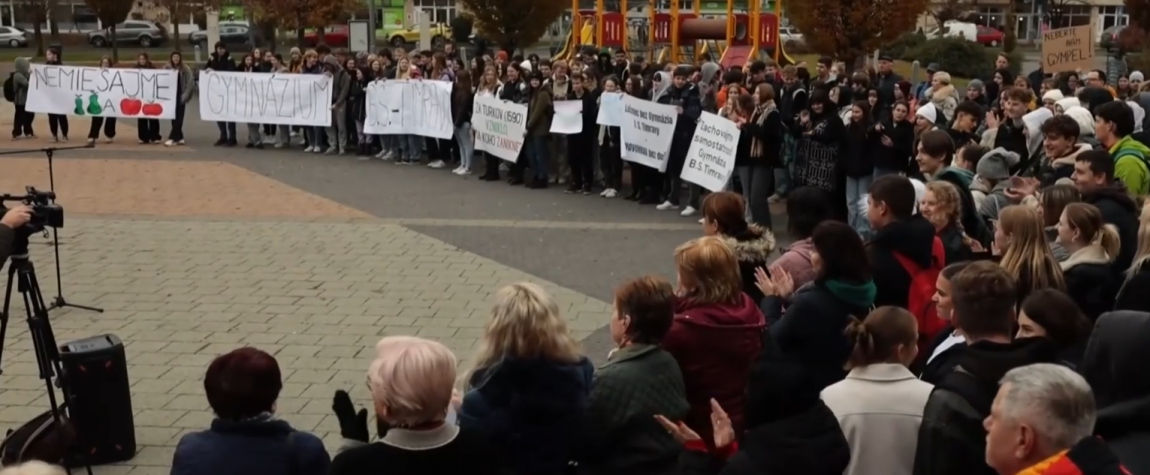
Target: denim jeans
(313,136)
(412,146)
(537,155)
(758,185)
(337,131)
(466,145)
(856,191)
(255,134)
(283,137)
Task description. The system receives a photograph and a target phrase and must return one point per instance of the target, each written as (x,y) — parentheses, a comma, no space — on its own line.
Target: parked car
(988,36)
(335,35)
(232,34)
(439,34)
(143,33)
(12,36)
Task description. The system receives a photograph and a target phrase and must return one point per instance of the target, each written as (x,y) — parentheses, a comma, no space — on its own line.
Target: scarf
(759,119)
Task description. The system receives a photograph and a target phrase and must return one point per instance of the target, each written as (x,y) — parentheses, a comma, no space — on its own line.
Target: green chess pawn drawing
(94,104)
(79,110)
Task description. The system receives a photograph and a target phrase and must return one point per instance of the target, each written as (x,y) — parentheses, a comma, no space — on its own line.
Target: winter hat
(1139,115)
(928,112)
(525,65)
(1083,118)
(933,68)
(295,51)
(1068,102)
(501,55)
(996,164)
(1053,95)
(977,85)
(1137,76)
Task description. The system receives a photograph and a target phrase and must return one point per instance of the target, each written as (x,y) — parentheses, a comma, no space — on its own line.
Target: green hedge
(959,57)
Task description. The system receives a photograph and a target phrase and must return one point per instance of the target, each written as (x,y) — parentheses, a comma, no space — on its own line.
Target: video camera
(45,212)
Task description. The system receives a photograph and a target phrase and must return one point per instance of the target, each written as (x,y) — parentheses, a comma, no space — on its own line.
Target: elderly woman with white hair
(411,384)
(34,467)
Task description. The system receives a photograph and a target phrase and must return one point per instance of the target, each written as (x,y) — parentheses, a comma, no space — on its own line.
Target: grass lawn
(900,67)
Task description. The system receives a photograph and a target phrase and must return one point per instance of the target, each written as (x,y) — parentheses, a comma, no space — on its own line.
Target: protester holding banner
(220,60)
(645,184)
(255,137)
(685,97)
(185,89)
(581,146)
(515,90)
(313,136)
(341,86)
(439,150)
(57,123)
(147,130)
(462,106)
(106,123)
(357,105)
(284,132)
(539,111)
(489,86)
(610,152)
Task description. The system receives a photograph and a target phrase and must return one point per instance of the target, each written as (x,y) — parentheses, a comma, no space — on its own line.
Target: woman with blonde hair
(1131,296)
(716,333)
(411,383)
(941,205)
(1020,240)
(943,94)
(1052,201)
(880,403)
(529,390)
(1092,245)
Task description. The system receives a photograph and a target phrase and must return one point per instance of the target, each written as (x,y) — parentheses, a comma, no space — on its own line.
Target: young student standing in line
(106,123)
(57,123)
(148,129)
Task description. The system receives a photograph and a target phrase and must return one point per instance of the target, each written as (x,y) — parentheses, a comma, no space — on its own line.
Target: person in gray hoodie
(22,120)
(185,88)
(994,170)
(341,85)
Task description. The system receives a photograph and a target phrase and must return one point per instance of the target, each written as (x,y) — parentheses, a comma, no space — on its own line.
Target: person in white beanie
(525,66)
(1051,98)
(925,118)
(1061,105)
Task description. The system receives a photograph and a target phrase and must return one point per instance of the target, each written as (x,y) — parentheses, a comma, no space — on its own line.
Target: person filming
(12,219)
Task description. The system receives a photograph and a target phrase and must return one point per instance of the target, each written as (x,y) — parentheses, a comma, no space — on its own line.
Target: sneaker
(110,141)
(55,139)
(774,199)
(604,192)
(330,151)
(456,170)
(341,152)
(363,158)
(586,191)
(381,154)
(218,143)
(666,206)
(178,142)
(293,134)
(64,139)
(316,150)
(91,141)
(464,171)
(307,150)
(436,164)
(688,211)
(279,145)
(610,193)
(169,143)
(571,189)
(387,157)
(142,142)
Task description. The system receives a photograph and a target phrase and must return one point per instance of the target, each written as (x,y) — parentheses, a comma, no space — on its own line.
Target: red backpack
(920,296)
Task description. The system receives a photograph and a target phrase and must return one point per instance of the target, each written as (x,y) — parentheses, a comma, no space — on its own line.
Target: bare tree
(111,13)
(948,10)
(37,11)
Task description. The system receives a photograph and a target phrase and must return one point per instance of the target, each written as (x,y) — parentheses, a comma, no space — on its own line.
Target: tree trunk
(299,31)
(175,19)
(53,25)
(115,49)
(38,34)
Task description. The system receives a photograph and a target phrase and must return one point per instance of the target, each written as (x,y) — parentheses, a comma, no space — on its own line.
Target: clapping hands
(720,425)
(777,283)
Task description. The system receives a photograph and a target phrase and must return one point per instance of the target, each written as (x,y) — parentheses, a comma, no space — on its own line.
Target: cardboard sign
(1067,49)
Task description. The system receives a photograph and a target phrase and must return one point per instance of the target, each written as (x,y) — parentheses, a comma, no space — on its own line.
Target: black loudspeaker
(96,378)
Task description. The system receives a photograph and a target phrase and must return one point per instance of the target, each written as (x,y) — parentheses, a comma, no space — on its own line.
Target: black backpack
(10,88)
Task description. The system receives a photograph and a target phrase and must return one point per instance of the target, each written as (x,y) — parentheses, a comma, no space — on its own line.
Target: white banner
(646,131)
(610,109)
(499,127)
(568,118)
(711,158)
(410,107)
(103,92)
(265,98)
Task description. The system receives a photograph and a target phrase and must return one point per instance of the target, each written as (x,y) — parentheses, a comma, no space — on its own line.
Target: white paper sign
(610,109)
(499,126)
(568,118)
(410,108)
(103,92)
(711,158)
(646,132)
(264,98)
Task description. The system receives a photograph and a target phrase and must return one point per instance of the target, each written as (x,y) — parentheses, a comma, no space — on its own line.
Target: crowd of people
(963,296)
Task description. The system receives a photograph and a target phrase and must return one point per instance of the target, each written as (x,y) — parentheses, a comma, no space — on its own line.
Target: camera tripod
(22,273)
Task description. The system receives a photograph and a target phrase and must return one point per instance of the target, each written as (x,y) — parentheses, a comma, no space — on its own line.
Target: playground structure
(675,36)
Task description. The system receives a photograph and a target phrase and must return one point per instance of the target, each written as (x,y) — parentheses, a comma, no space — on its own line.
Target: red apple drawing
(153,109)
(130,106)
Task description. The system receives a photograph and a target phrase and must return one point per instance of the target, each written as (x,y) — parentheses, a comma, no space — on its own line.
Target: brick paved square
(180,292)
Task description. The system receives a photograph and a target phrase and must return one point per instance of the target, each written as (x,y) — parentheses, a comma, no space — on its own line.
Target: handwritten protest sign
(711,158)
(610,109)
(1067,49)
(568,118)
(103,92)
(282,99)
(410,108)
(499,127)
(646,132)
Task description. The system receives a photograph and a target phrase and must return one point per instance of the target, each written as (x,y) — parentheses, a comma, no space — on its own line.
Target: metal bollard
(197,46)
(914,65)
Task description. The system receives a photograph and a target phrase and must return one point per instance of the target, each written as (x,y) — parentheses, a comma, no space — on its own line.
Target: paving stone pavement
(183,281)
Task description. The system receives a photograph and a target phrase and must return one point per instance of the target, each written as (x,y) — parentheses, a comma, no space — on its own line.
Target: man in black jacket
(13,218)
(685,97)
(951,438)
(220,60)
(1094,177)
(885,81)
(898,233)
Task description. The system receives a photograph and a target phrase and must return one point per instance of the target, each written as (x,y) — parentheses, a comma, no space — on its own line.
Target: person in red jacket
(716,333)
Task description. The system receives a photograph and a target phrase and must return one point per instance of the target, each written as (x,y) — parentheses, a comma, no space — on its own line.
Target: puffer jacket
(753,248)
